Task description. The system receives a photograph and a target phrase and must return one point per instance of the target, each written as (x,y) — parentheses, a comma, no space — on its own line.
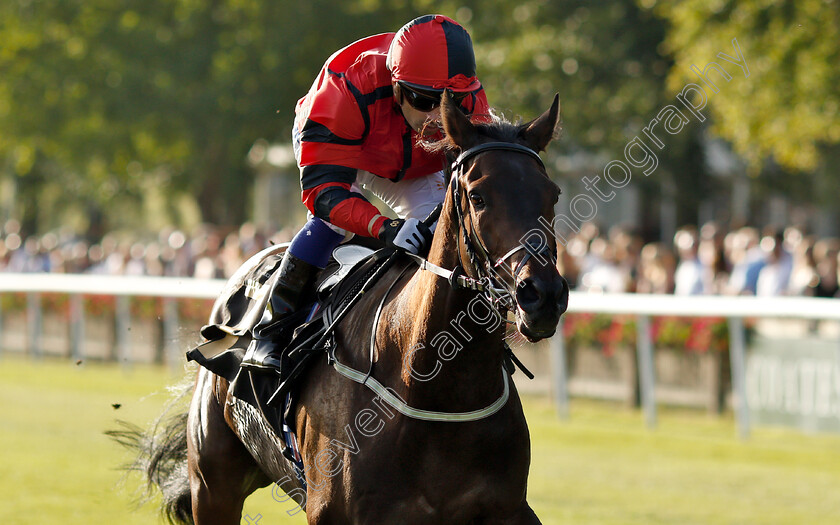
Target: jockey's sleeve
(327,194)
(333,124)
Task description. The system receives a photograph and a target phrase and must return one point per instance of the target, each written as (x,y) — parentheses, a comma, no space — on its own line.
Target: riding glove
(410,235)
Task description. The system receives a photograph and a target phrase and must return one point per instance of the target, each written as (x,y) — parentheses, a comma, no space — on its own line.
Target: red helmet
(433,52)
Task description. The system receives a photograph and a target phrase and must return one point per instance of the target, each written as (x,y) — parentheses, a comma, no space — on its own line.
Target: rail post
(33,323)
(77,327)
(123,329)
(559,372)
(170,333)
(647,379)
(739,384)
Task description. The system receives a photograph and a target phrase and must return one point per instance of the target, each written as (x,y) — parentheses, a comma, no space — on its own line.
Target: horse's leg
(222,473)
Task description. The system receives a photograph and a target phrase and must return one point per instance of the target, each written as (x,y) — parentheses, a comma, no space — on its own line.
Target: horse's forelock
(500,130)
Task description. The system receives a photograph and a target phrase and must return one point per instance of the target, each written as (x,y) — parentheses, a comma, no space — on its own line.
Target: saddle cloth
(260,366)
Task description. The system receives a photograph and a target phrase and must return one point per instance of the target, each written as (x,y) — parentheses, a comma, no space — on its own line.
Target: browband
(508,146)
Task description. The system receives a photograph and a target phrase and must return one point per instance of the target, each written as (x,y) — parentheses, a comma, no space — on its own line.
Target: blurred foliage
(141,112)
(607,62)
(105,105)
(790,107)
(600,56)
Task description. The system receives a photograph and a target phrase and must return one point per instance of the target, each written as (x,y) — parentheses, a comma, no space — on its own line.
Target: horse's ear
(539,132)
(456,125)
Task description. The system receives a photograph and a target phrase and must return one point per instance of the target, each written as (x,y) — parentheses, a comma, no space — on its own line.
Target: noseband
(483,264)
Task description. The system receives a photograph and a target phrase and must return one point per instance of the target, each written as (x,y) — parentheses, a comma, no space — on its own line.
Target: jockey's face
(417,119)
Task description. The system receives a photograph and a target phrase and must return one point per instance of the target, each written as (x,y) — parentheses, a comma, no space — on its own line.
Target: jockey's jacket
(350,121)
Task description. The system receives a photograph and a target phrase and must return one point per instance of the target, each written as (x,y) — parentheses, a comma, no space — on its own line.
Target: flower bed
(142,339)
(690,358)
(609,331)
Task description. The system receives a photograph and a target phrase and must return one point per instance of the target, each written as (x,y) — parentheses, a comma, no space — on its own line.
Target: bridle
(485,268)
(488,282)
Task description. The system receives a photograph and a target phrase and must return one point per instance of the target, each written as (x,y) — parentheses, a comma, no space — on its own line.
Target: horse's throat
(455,350)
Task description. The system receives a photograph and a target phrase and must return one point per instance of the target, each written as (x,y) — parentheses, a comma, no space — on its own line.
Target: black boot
(289,287)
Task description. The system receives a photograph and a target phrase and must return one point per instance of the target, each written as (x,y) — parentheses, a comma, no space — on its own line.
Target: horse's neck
(452,348)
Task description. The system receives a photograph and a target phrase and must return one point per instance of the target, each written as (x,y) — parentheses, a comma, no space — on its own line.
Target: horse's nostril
(563,296)
(534,294)
(528,295)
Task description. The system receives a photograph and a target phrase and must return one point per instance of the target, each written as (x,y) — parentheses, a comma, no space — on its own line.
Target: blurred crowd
(706,260)
(207,252)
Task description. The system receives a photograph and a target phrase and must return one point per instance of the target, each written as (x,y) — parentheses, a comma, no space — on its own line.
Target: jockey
(360,126)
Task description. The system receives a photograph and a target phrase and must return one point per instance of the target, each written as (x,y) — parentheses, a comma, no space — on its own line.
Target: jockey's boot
(289,287)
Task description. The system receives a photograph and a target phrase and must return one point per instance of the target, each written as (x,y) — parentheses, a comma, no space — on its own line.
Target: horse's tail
(161,458)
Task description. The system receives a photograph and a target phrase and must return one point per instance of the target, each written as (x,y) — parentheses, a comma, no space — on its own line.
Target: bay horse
(444,440)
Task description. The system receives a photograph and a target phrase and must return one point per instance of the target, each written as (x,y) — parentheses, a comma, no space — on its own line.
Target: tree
(789,110)
(104,104)
(607,61)
(601,57)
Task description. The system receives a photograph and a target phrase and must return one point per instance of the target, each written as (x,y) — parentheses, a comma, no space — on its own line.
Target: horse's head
(500,190)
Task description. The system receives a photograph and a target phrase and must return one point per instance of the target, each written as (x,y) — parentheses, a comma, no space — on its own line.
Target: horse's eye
(477,200)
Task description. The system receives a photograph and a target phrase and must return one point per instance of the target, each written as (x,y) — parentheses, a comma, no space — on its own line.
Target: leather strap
(460,279)
(415,413)
(506,146)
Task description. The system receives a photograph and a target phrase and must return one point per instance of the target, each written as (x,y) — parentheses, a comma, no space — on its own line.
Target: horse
(443,438)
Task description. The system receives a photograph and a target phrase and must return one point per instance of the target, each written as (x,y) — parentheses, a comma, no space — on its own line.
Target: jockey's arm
(328,195)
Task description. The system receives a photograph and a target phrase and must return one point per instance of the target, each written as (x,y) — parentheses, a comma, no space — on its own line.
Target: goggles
(426,100)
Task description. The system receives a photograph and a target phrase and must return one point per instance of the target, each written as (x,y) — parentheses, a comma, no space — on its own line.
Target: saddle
(264,364)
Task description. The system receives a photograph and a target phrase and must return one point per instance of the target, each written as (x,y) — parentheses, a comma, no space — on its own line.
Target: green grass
(602,466)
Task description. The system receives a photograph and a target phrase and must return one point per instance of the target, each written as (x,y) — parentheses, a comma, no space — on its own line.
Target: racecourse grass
(601,466)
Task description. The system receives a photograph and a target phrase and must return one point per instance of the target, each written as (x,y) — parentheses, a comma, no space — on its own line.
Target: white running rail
(735,309)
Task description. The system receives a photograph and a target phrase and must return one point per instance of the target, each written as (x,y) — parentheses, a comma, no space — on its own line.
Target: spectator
(587,258)
(628,247)
(567,264)
(712,255)
(774,277)
(711,262)
(32,259)
(180,262)
(604,274)
(656,270)
(77,261)
(826,254)
(152,260)
(747,259)
(804,277)
(136,261)
(691,277)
